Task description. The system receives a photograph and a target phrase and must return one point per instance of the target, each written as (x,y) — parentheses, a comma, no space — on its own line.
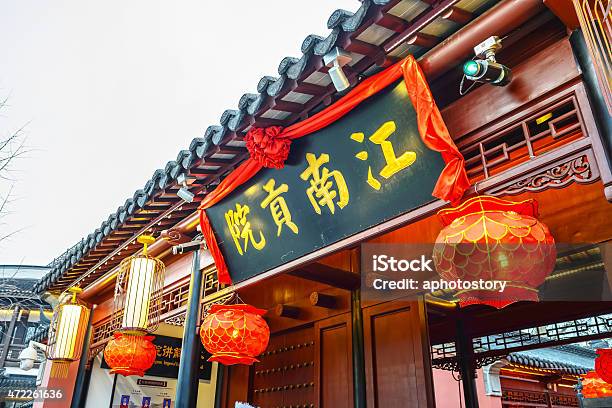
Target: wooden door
(334,362)
(398,372)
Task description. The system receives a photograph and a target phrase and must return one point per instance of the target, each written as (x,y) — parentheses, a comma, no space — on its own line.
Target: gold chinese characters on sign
(326,189)
(394,164)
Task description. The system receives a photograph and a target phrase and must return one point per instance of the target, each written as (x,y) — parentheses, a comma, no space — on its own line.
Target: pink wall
(448,391)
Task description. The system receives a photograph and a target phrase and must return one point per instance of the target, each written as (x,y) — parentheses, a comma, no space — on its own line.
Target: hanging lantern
(603,364)
(594,387)
(67,334)
(138,292)
(487,238)
(234,334)
(130,354)
(138,303)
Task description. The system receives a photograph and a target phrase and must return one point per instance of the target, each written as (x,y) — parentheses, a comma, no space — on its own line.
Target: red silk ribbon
(269,147)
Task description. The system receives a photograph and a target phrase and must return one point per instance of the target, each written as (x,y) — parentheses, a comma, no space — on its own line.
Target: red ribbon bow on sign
(266,147)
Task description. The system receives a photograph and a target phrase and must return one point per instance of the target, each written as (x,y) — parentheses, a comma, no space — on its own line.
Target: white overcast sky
(113,89)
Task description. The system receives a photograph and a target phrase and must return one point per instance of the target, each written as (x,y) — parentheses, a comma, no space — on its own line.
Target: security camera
(29,355)
(184,192)
(335,60)
(484,67)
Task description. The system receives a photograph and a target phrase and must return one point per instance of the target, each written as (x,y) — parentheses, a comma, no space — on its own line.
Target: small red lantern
(130,354)
(490,239)
(235,334)
(594,387)
(603,364)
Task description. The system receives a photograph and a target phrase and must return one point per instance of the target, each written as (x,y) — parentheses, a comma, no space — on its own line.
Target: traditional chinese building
(356,145)
(23,317)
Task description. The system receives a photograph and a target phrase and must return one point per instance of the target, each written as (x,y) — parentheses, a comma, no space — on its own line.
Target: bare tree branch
(12,148)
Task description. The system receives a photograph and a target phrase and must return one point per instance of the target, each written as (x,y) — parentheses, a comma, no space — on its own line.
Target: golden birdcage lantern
(137,307)
(67,334)
(138,292)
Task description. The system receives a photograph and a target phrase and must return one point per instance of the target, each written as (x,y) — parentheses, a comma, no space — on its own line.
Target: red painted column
(66,385)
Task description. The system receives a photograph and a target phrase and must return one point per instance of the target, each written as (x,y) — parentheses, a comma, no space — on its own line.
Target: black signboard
(366,168)
(168,358)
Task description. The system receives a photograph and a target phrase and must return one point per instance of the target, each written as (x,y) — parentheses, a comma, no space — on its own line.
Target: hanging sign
(365,168)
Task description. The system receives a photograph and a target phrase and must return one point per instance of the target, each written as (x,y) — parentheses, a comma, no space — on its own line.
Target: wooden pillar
(187,383)
(219,388)
(465,358)
(599,108)
(359,379)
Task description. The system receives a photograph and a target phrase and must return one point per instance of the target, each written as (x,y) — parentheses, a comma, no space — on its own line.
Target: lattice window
(539,133)
(501,344)
(211,283)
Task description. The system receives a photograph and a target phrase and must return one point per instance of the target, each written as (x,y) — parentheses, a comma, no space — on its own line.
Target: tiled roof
(16,383)
(572,359)
(301,87)
(21,291)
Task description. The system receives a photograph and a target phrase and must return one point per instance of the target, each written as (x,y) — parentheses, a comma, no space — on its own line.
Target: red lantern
(130,354)
(235,334)
(603,364)
(594,387)
(490,239)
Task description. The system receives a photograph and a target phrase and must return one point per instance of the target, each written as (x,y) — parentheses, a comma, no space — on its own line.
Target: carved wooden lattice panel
(173,298)
(548,129)
(286,373)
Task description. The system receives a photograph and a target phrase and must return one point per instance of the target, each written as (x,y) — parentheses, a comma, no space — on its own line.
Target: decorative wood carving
(577,169)
(174,236)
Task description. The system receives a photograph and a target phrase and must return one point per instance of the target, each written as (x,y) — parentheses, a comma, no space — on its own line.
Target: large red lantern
(603,364)
(490,239)
(235,334)
(130,354)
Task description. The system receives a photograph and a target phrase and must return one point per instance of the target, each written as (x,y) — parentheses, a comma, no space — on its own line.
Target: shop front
(333,211)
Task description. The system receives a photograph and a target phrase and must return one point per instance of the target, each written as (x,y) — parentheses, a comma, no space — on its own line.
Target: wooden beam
(287,106)
(393,23)
(361,47)
(458,15)
(328,275)
(423,40)
(427,17)
(311,89)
